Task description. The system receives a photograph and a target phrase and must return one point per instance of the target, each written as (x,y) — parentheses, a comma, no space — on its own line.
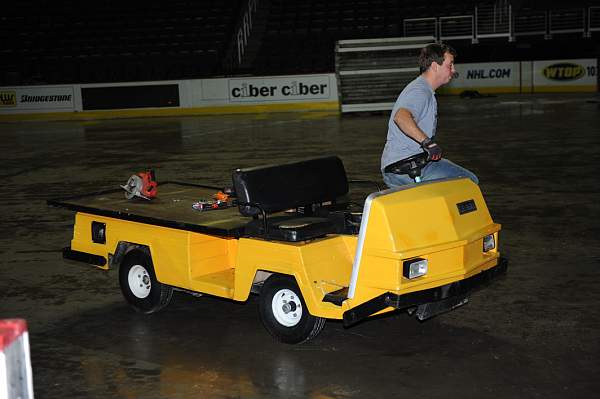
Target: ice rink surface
(535,333)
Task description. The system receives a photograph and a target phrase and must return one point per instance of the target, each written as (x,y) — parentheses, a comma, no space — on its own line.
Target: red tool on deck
(141,184)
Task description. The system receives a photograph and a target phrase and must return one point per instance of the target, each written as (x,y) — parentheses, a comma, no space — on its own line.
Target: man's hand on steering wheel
(434,151)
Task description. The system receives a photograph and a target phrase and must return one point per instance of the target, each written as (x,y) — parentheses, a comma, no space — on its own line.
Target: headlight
(414,268)
(489,243)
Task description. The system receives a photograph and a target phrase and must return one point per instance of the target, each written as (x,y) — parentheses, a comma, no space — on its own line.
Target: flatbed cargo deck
(172,208)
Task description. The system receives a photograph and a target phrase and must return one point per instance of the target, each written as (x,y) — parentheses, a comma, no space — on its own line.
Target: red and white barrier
(15,365)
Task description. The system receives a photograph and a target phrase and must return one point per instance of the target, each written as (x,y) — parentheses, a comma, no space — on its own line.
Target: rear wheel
(283,311)
(139,285)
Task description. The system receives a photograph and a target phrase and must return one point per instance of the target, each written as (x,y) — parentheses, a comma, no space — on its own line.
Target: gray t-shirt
(419,98)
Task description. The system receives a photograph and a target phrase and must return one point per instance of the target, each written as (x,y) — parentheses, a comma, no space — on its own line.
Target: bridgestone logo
(45,99)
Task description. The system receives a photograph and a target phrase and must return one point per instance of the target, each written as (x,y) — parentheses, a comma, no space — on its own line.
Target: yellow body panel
(321,266)
(183,259)
(421,221)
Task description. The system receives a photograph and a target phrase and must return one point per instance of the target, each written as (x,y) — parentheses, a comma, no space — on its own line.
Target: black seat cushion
(276,188)
(291,228)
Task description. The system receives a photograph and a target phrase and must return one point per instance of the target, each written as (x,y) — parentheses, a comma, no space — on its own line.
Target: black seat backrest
(275,188)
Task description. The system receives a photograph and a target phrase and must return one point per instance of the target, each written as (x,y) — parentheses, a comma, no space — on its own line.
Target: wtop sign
(280,89)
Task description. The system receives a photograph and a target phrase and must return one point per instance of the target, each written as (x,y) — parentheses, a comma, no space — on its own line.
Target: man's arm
(407,124)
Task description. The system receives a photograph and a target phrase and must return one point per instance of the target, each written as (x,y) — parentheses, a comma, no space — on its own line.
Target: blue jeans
(432,171)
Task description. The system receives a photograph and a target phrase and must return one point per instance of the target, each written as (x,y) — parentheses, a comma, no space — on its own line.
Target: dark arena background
(91,92)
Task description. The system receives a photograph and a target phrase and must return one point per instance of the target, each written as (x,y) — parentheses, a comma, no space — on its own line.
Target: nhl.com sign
(284,89)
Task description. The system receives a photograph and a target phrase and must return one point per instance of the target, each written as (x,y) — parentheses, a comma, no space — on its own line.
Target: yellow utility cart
(293,236)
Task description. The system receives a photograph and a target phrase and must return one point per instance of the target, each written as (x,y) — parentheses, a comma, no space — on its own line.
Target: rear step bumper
(84,257)
(429,302)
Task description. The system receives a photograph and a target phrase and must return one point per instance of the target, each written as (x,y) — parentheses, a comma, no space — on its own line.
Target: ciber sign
(279,89)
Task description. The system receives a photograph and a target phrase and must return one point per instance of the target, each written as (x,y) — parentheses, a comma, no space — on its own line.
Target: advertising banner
(565,75)
(219,95)
(127,97)
(492,77)
(38,98)
(281,88)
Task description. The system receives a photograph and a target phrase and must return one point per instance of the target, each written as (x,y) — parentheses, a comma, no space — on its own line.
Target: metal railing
(421,27)
(494,21)
(459,27)
(531,23)
(594,19)
(567,21)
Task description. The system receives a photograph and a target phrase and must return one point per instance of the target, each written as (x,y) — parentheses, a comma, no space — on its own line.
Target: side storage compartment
(212,264)
(182,259)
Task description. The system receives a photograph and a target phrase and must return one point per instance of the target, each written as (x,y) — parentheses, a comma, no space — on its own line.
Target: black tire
(283,311)
(139,285)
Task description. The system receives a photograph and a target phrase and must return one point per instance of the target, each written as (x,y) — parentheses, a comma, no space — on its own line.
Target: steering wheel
(410,166)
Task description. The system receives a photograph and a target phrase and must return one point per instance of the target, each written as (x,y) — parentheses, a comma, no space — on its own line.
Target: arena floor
(535,333)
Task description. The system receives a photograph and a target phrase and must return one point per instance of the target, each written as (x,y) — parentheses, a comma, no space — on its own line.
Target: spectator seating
(68,41)
(301,34)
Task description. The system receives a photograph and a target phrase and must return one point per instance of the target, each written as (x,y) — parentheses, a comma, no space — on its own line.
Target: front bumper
(428,302)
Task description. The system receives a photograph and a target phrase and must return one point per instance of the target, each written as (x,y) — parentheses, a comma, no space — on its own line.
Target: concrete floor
(535,333)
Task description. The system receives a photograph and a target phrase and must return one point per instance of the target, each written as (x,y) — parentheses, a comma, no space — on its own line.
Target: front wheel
(139,285)
(283,311)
